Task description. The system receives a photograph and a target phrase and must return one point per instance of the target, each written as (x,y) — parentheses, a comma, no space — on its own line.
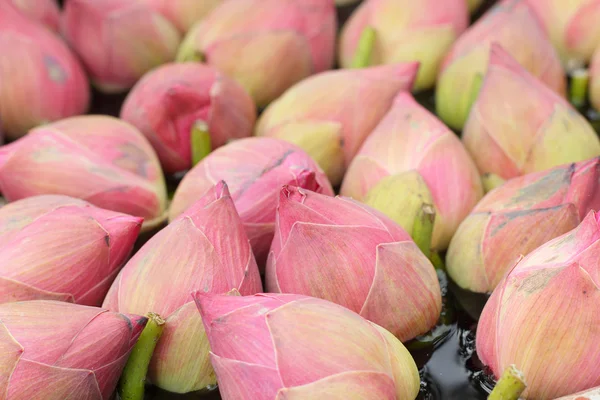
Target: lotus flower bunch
(255,169)
(184,13)
(518,217)
(406,30)
(543,316)
(35,61)
(512,25)
(343,251)
(205,249)
(572,26)
(412,158)
(45,12)
(118,40)
(326,114)
(518,125)
(59,351)
(178,104)
(59,248)
(266,45)
(268,347)
(96,158)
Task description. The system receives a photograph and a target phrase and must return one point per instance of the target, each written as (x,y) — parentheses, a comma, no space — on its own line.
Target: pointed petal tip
(307,179)
(138,323)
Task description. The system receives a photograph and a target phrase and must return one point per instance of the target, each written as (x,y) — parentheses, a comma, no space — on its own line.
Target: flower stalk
(364,51)
(200,141)
(422,231)
(579,86)
(510,386)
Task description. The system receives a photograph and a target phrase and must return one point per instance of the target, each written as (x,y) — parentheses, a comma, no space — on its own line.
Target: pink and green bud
(518,125)
(323,116)
(412,158)
(266,45)
(59,248)
(53,350)
(184,13)
(169,104)
(512,25)
(205,249)
(45,12)
(518,217)
(118,40)
(343,251)
(42,81)
(274,346)
(543,315)
(594,84)
(255,169)
(406,30)
(99,159)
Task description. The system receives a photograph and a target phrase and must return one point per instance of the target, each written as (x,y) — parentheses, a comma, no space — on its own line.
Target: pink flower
(184,13)
(45,12)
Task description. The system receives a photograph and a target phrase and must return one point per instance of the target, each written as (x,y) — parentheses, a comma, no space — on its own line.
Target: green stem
(491,182)
(200,141)
(579,86)
(510,386)
(364,50)
(133,379)
(437,261)
(422,230)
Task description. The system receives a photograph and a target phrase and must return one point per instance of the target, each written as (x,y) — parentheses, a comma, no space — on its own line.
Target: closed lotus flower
(42,80)
(326,114)
(255,169)
(512,25)
(171,103)
(412,158)
(118,40)
(518,217)
(185,13)
(348,253)
(543,316)
(96,158)
(266,45)
(269,347)
(406,30)
(60,248)
(45,12)
(59,351)
(204,249)
(518,125)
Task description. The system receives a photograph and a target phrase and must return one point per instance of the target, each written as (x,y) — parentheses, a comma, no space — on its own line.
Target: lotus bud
(269,346)
(266,45)
(42,81)
(412,158)
(403,30)
(594,84)
(170,103)
(518,125)
(543,314)
(331,125)
(510,24)
(255,170)
(518,217)
(205,249)
(118,40)
(45,12)
(591,394)
(54,351)
(185,13)
(59,248)
(348,253)
(96,158)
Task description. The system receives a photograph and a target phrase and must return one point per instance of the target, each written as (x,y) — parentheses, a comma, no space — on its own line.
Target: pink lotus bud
(512,25)
(518,125)
(348,253)
(269,346)
(255,170)
(412,158)
(96,158)
(591,394)
(543,316)
(205,249)
(518,217)
(41,80)
(59,248)
(185,13)
(323,114)
(118,40)
(594,88)
(168,103)
(406,30)
(45,12)
(571,25)
(55,350)
(266,45)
